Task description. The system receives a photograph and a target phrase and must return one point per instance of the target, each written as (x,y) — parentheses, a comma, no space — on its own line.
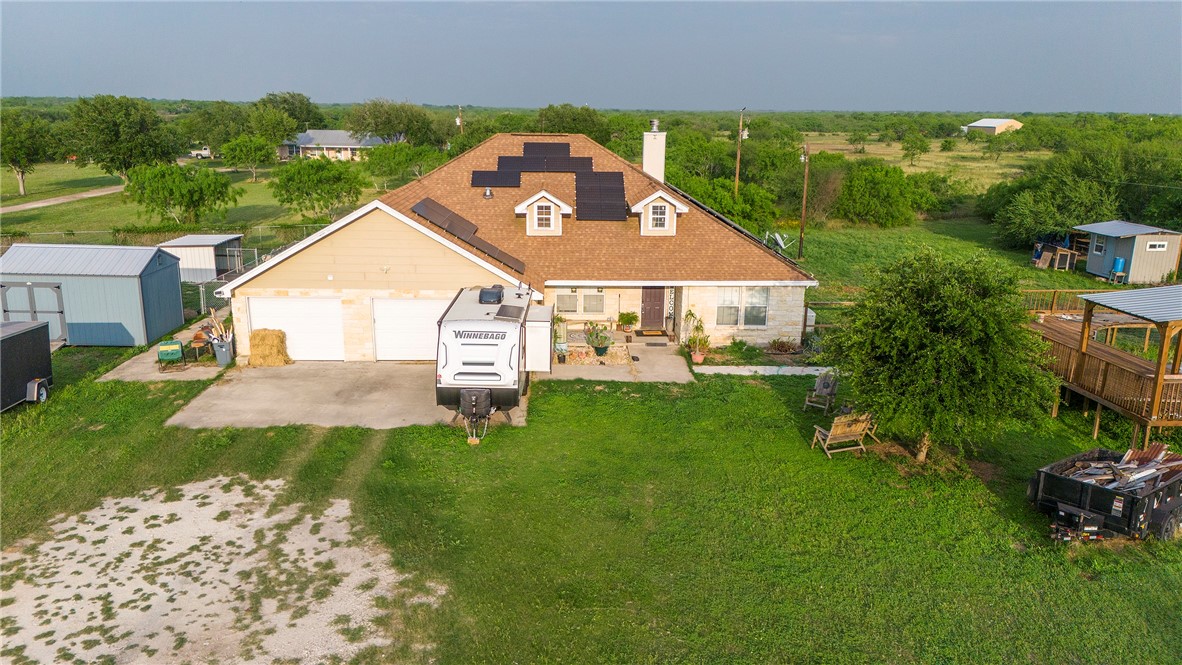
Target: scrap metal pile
(1136,471)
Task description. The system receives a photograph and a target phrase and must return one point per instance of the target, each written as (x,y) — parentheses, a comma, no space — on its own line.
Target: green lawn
(50,180)
(647,523)
(841,257)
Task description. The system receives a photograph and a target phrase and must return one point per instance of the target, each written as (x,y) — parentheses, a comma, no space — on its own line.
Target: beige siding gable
(376,251)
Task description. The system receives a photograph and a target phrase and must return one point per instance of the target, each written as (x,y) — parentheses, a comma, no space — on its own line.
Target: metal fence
(265,239)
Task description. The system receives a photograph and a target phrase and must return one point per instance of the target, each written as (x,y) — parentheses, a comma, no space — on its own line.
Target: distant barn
(93,295)
(991,126)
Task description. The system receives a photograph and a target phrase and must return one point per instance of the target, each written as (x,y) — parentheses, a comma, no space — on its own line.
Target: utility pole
(739,152)
(804,199)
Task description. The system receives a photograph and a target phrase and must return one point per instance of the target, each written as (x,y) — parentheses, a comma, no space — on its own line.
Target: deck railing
(1057,301)
(1117,385)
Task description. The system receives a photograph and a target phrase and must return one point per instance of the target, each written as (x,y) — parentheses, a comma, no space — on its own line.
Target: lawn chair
(823,393)
(169,352)
(846,433)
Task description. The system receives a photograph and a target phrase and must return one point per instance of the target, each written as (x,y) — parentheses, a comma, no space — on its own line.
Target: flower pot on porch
(697,357)
(601,350)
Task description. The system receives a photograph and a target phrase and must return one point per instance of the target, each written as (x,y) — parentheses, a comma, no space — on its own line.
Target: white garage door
(406,329)
(315,330)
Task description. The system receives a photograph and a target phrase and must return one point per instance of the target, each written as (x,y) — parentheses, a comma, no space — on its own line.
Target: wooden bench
(846,433)
(822,394)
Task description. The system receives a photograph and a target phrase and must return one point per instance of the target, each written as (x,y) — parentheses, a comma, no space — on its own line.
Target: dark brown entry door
(652,308)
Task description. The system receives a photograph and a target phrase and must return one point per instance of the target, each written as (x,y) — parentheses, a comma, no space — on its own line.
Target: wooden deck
(1109,376)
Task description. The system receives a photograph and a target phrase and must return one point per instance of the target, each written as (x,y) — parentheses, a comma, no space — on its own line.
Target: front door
(652,308)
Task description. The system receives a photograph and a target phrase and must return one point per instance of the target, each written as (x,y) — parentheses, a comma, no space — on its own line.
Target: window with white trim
(544,216)
(1156,246)
(1099,245)
(659,216)
(747,304)
(567,302)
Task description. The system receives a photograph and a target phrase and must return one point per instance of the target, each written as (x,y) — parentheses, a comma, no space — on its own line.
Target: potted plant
(627,320)
(697,341)
(560,345)
(598,337)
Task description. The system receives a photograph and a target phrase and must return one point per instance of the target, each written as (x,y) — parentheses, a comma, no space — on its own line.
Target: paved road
(102,191)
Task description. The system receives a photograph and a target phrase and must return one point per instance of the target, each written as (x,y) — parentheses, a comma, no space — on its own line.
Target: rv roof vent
(492,295)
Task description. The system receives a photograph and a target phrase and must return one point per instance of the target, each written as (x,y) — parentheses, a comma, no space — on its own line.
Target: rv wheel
(1171,528)
(42,393)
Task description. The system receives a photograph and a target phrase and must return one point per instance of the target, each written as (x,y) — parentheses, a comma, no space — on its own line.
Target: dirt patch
(202,573)
(985,471)
(616,355)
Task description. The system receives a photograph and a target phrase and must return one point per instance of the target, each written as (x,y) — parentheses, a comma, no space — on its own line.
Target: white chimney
(654,153)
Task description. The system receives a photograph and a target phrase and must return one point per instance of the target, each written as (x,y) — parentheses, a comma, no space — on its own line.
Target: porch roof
(1161,304)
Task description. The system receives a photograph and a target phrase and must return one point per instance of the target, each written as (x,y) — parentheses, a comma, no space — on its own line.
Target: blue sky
(927,56)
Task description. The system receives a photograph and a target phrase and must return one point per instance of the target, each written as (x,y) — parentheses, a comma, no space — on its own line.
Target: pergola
(1161,307)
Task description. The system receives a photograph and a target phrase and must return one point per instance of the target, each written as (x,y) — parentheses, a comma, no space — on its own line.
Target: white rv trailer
(483,340)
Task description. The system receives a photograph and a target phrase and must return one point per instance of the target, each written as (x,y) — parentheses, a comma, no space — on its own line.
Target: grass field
(50,180)
(842,256)
(965,162)
(648,523)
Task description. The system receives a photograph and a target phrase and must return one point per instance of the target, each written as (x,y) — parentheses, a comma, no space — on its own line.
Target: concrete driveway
(330,394)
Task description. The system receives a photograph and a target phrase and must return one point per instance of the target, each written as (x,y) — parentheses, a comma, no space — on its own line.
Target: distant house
(93,295)
(991,126)
(1144,254)
(332,143)
(206,256)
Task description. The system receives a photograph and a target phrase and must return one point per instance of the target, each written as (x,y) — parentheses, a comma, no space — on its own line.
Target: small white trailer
(484,357)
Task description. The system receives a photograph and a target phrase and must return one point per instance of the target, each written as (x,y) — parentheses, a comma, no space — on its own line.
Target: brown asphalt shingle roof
(704,249)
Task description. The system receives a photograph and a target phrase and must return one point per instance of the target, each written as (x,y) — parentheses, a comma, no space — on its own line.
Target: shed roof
(335,138)
(1120,229)
(78,260)
(1159,304)
(201,240)
(992,122)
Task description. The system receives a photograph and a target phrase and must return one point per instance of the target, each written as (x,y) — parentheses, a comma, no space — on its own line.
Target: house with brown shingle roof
(590,233)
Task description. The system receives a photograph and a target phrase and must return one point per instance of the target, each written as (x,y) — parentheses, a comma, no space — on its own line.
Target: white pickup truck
(203,153)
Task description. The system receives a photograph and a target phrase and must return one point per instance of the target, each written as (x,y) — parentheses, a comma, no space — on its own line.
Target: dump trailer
(1103,494)
(26,369)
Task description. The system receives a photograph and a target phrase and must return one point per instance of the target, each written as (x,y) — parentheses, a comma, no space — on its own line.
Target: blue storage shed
(93,295)
(1131,253)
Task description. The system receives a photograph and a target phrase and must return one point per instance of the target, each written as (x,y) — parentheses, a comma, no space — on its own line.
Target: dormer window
(656,217)
(543,214)
(658,214)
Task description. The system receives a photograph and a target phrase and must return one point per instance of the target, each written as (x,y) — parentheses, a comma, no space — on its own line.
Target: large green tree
(875,193)
(25,141)
(399,162)
(298,107)
(317,187)
(271,123)
(570,119)
(183,194)
(939,351)
(249,151)
(120,133)
(391,122)
(216,124)
(914,145)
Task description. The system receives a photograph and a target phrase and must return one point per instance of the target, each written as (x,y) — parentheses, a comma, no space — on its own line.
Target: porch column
(1177,356)
(1085,335)
(1164,332)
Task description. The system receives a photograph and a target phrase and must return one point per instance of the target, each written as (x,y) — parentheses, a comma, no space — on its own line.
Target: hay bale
(268,348)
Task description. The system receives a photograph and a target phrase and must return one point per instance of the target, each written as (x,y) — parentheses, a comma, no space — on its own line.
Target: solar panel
(496,178)
(509,312)
(600,196)
(530,149)
(439,215)
(497,253)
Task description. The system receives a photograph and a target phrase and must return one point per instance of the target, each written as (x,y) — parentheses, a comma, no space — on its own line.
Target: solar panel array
(441,216)
(600,196)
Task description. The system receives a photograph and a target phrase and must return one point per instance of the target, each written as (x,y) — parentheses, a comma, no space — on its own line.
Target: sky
(879,56)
